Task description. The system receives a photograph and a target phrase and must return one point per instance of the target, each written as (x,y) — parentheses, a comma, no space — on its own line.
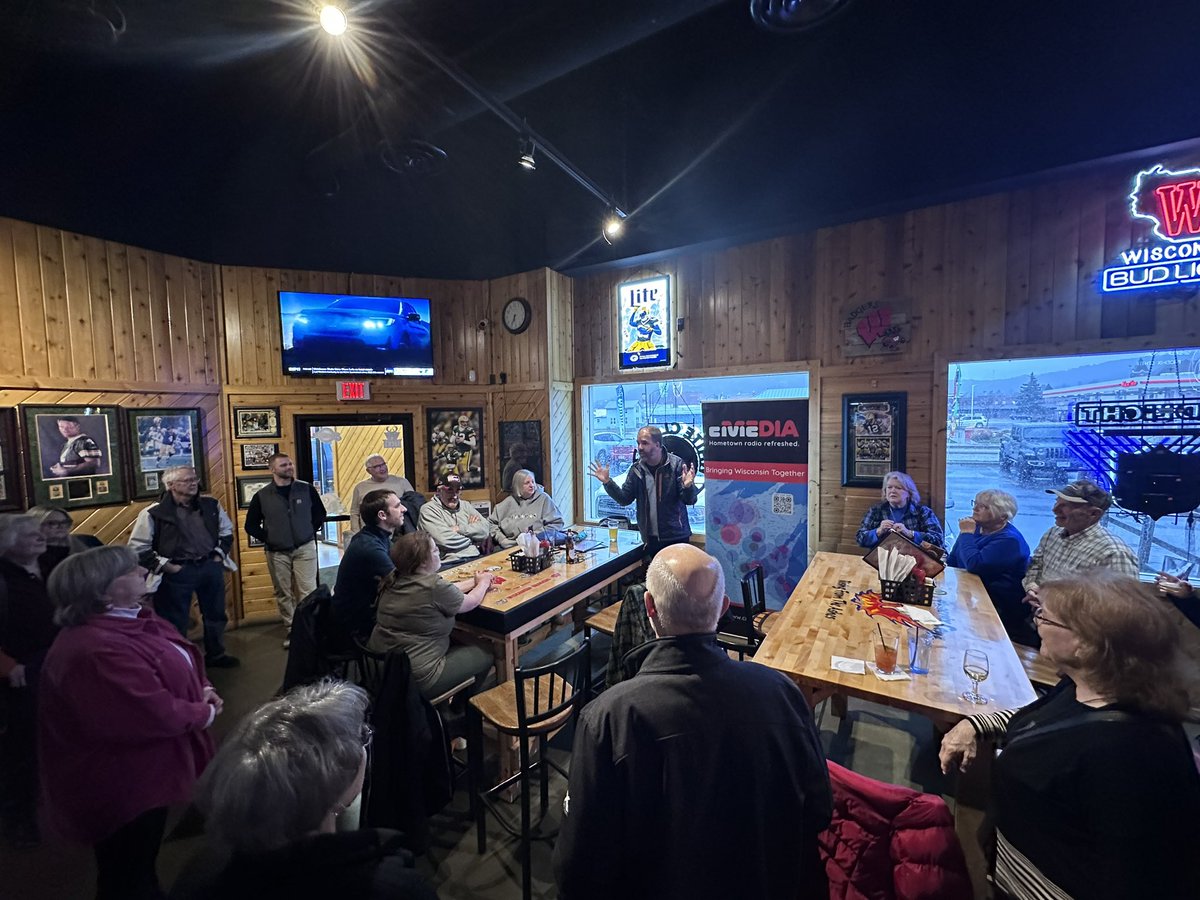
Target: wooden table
(522,603)
(823,618)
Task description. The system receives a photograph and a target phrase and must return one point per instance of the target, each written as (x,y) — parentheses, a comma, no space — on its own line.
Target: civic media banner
(756,492)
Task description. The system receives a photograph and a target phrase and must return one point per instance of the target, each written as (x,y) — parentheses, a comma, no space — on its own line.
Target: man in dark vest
(286,515)
(186,538)
(366,561)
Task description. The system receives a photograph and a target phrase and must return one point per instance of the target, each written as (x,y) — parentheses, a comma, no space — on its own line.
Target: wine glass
(975,664)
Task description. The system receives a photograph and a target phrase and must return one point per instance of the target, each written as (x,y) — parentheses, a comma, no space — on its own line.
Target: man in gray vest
(285,515)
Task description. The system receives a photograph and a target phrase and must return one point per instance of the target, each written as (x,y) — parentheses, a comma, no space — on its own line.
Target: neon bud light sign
(1171,202)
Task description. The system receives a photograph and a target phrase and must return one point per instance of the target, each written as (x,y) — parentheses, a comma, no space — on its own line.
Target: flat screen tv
(346,334)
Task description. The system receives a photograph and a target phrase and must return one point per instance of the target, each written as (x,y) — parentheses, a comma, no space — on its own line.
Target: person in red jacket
(124,717)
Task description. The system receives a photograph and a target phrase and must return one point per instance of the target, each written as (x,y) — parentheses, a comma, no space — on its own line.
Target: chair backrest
(552,694)
(754,601)
(369,665)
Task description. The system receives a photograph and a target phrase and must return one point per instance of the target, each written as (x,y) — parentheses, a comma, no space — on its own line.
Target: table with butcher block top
(517,604)
(830,614)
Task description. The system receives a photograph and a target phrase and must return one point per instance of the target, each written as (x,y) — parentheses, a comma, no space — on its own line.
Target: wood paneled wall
(998,276)
(84,321)
(509,403)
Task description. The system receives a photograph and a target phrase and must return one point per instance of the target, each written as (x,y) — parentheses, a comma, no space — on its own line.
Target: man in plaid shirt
(1077,542)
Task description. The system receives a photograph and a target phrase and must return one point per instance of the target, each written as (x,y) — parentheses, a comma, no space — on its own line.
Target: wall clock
(517,315)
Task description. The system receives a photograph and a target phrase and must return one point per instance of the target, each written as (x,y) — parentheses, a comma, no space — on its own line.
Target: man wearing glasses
(379,480)
(186,539)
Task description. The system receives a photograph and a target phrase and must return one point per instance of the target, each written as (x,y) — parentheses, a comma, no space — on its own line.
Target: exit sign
(354,390)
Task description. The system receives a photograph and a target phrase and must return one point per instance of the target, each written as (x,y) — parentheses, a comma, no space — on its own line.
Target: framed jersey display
(455,445)
(74,455)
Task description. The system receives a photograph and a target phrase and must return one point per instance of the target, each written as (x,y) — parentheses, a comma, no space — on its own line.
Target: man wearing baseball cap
(453,525)
(1077,543)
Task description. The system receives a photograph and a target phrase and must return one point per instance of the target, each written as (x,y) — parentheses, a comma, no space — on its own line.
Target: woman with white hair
(901,511)
(271,799)
(123,719)
(990,546)
(26,631)
(527,506)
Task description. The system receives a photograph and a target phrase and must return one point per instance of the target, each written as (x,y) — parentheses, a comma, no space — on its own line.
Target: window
(1010,425)
(613,413)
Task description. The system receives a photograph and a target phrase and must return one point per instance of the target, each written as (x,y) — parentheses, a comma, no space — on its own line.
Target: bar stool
(754,612)
(536,704)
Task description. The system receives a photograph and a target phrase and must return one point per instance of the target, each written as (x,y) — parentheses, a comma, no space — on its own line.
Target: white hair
(678,612)
(173,472)
(1000,502)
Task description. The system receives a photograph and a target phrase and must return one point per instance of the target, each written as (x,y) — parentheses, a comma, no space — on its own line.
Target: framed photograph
(10,462)
(74,455)
(455,445)
(256,422)
(520,448)
(159,439)
(872,437)
(252,541)
(248,486)
(255,456)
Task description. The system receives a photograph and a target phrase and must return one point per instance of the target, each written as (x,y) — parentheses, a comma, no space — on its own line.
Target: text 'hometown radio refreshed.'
(345,334)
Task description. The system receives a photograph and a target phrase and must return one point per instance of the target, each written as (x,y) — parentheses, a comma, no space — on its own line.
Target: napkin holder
(529,565)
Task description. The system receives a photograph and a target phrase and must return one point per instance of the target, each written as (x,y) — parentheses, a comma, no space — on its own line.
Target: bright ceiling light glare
(613,227)
(333,20)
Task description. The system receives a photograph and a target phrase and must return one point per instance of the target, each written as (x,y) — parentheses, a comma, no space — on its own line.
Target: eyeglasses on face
(1042,619)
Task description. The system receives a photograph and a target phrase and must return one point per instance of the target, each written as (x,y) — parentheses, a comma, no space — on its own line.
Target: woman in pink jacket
(124,716)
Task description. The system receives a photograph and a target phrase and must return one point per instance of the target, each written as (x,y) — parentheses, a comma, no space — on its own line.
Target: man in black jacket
(663,486)
(366,561)
(286,515)
(694,747)
(186,538)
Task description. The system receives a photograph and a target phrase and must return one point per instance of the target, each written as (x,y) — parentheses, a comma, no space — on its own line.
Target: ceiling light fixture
(333,20)
(527,147)
(512,120)
(614,226)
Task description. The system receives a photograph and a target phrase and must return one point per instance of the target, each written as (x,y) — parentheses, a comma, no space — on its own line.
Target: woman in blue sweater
(989,546)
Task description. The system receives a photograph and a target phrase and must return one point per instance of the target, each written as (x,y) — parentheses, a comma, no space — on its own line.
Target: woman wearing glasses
(1096,777)
(990,546)
(271,801)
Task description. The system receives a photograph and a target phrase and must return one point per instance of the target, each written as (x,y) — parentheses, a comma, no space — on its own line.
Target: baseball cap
(1084,492)
(449,481)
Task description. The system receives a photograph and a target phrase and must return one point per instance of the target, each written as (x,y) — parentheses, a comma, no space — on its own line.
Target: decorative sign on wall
(1143,415)
(646,330)
(756,492)
(876,328)
(1170,201)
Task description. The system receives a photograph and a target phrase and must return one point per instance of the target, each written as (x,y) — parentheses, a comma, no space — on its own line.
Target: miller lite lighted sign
(1170,201)
(645,328)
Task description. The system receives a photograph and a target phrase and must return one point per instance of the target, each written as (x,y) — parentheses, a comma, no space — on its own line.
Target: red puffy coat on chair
(889,842)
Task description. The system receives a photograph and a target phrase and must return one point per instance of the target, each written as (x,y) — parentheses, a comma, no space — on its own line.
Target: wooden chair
(604,621)
(369,668)
(754,608)
(1042,673)
(535,705)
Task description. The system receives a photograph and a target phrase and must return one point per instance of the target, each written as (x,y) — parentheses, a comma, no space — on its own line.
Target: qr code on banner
(782,504)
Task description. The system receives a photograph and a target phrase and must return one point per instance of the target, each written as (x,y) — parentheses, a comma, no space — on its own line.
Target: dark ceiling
(236,131)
